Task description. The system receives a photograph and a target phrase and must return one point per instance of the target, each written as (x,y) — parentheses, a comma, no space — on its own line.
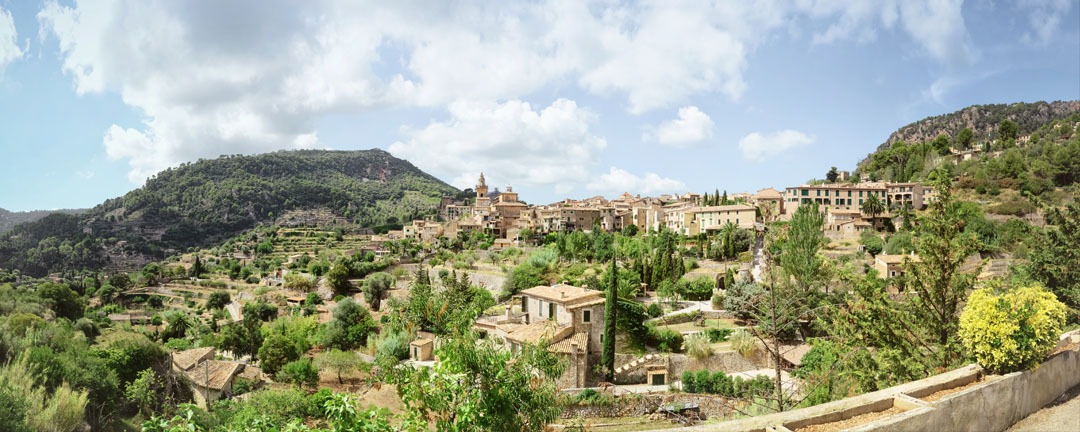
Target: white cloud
(760,147)
(616,181)
(936,25)
(215,78)
(509,142)
(692,126)
(1045,19)
(9,48)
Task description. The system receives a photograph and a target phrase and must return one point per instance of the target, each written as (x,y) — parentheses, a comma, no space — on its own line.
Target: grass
(689,326)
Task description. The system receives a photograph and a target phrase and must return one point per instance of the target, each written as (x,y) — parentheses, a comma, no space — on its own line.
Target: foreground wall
(991,406)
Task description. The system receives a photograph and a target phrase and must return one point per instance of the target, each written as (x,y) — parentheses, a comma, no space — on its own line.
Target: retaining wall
(990,406)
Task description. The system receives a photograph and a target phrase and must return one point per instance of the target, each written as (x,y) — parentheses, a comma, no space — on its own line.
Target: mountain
(198,204)
(8,219)
(983,121)
(1028,159)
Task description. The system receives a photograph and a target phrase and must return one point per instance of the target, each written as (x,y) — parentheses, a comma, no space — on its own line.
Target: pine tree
(715,197)
(723,200)
(610,304)
(196,268)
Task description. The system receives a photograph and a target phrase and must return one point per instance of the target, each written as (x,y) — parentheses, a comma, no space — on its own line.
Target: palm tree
(873,206)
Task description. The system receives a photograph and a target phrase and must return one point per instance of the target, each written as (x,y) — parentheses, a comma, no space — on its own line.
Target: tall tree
(610,316)
(804,238)
(833,175)
(963,138)
(941,144)
(375,286)
(873,206)
(1056,263)
(943,246)
(197,268)
(1007,130)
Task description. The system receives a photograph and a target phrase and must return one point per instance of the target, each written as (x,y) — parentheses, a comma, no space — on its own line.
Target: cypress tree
(608,353)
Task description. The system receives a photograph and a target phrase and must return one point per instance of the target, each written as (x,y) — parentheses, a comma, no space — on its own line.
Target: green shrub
(654,310)
(668,340)
(718,300)
(1011,331)
(697,346)
(718,335)
(743,342)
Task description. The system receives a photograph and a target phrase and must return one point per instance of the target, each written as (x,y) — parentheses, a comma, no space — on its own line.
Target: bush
(718,335)
(743,342)
(300,372)
(698,346)
(718,300)
(654,310)
(667,340)
(1011,331)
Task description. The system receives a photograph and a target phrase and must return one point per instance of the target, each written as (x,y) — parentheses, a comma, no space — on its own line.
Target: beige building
(569,319)
(211,379)
(839,196)
(695,220)
(909,194)
(770,201)
(891,266)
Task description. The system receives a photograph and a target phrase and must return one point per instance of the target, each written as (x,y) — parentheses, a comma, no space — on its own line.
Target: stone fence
(988,406)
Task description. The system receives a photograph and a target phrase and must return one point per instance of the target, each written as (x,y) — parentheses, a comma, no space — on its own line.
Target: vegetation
(198,204)
(1013,330)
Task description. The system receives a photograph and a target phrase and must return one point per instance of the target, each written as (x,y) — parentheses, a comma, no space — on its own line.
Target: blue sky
(559,98)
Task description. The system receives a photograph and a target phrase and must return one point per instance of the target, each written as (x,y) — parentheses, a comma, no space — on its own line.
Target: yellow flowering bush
(1011,331)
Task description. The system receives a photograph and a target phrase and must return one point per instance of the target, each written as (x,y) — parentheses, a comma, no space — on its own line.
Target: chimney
(562,294)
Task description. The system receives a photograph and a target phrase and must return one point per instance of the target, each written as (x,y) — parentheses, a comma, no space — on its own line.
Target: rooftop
(732,207)
(896,259)
(562,293)
(575,344)
(219,373)
(187,359)
(540,330)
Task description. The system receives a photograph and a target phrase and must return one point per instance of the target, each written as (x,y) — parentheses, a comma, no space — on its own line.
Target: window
(586,316)
(848,193)
(860,193)
(551,311)
(524,304)
(805,192)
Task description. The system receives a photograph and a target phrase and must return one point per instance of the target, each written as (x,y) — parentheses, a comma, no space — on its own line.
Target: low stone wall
(727,361)
(991,406)
(676,364)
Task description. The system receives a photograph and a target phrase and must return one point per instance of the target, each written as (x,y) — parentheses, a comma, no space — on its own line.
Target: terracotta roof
(562,293)
(219,373)
(537,331)
(187,359)
(585,303)
(251,373)
(567,346)
(895,259)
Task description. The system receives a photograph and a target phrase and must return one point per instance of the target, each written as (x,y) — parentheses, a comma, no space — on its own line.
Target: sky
(558,98)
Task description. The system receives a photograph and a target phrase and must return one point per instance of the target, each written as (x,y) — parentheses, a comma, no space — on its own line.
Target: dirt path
(1061,415)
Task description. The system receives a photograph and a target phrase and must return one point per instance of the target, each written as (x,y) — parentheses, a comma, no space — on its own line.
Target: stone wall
(727,361)
(991,406)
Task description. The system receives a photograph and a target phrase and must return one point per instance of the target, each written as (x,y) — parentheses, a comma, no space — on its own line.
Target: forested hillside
(200,203)
(8,219)
(1032,155)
